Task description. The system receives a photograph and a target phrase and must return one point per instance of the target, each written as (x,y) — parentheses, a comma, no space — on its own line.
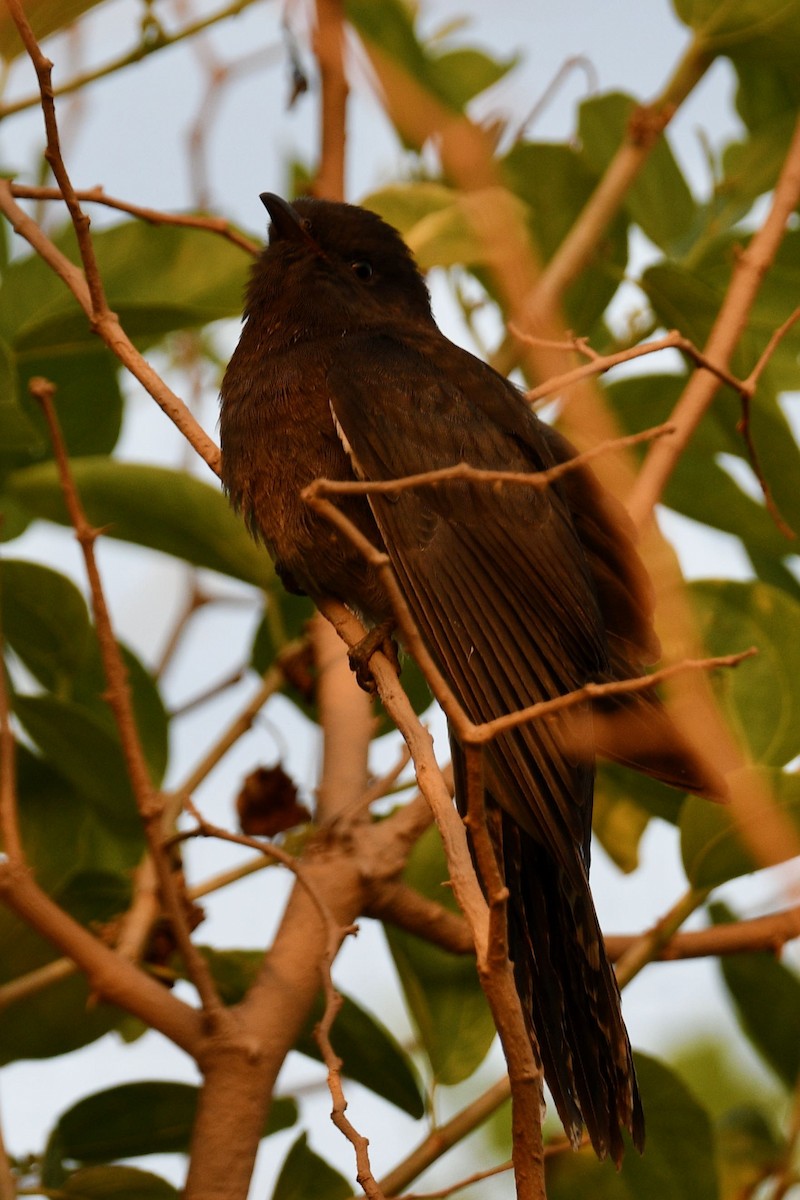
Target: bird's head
(331,267)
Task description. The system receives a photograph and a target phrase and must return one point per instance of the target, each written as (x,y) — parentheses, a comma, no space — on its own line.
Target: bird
(520,594)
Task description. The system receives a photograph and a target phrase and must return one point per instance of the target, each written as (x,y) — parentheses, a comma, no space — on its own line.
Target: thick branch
(109,975)
(329,49)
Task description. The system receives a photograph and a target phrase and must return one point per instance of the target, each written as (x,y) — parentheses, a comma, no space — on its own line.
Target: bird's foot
(379,638)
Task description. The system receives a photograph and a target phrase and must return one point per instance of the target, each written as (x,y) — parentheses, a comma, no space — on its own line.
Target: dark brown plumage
(519,594)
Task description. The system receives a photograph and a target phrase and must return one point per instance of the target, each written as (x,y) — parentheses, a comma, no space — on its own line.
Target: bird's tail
(570,997)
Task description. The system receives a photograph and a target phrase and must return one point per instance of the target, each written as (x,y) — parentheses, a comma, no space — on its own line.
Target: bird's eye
(361,269)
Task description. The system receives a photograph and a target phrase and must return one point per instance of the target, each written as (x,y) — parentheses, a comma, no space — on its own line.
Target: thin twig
(149,45)
(110,330)
(119,699)
(153,216)
(652,942)
(272,682)
(460,1184)
(596,691)
(464,471)
(444,1137)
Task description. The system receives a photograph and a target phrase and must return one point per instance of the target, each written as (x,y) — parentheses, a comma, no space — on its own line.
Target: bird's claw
(379,638)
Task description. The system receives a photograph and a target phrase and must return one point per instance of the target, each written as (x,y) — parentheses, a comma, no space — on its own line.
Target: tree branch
(751,267)
(153,216)
(119,699)
(110,330)
(329,50)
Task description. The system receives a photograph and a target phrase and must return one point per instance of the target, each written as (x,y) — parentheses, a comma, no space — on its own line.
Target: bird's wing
(496,577)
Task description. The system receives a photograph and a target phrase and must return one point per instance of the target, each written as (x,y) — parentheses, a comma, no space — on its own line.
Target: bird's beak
(286,222)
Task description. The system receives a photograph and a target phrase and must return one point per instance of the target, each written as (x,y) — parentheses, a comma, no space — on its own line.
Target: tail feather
(570,998)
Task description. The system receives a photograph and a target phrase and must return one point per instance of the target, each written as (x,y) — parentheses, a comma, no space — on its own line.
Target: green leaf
(689,297)
(157,279)
(18,434)
(747,1151)
(618,822)
(714,846)
(45,621)
(760,696)
(89,688)
(678,1161)
(462,74)
(151,506)
(285,620)
(305,1174)
(404,205)
(59,1018)
(370,1054)
(453,77)
(86,753)
(147,1117)
(766,999)
(749,29)
(700,487)
(752,166)
(659,201)
(88,400)
(555,183)
(441,989)
(117,1183)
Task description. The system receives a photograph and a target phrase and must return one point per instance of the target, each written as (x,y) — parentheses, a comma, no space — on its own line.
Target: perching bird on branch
(520,594)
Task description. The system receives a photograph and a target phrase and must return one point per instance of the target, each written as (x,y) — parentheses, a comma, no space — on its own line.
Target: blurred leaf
(760,696)
(285,620)
(117,1183)
(747,1151)
(678,1161)
(305,1174)
(768,91)
(464,73)
(149,1117)
(688,298)
(453,77)
(88,400)
(722,1079)
(766,999)
(45,16)
(85,752)
(659,201)
(59,1018)
(700,487)
(618,822)
(152,723)
(441,989)
(757,29)
(18,434)
(157,278)
(555,183)
(151,506)
(45,621)
(370,1054)
(752,166)
(404,205)
(712,842)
